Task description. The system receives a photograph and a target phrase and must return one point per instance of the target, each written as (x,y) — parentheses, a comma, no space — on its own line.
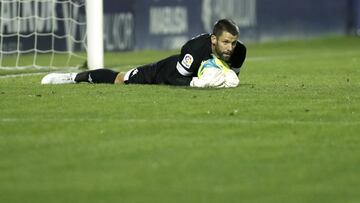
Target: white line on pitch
(172,121)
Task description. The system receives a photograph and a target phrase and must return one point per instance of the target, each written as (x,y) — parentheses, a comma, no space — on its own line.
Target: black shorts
(161,72)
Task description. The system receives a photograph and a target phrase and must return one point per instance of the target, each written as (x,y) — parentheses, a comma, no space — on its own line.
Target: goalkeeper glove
(231,79)
(211,77)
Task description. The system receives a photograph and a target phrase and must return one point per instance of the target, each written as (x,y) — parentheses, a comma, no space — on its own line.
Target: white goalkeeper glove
(212,77)
(231,79)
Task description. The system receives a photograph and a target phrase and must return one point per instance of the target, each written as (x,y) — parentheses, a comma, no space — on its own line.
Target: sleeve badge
(187,61)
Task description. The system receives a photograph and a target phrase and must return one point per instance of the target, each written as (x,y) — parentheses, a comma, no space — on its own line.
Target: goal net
(48,34)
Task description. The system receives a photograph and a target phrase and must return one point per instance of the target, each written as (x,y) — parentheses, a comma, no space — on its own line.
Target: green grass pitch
(289,133)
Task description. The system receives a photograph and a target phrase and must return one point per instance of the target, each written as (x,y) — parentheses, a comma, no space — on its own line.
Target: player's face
(224,45)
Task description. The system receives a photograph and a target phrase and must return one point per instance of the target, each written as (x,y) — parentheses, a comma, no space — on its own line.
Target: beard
(225,56)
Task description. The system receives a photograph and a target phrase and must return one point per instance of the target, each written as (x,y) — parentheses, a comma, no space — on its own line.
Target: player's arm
(187,60)
(185,66)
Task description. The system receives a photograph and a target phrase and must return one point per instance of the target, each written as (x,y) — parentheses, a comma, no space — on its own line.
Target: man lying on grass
(208,60)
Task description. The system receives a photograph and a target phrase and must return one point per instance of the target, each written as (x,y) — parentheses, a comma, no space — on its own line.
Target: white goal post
(51,34)
(94,21)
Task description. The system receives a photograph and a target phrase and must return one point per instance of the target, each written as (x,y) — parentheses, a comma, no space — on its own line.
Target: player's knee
(120,78)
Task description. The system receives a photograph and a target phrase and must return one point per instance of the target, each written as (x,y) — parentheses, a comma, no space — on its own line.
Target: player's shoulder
(238,57)
(241,45)
(199,40)
(202,36)
(240,49)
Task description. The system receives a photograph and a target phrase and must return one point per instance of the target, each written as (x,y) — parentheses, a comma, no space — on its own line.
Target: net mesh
(42,34)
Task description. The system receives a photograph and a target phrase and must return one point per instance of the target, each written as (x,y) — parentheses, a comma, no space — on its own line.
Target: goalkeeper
(208,60)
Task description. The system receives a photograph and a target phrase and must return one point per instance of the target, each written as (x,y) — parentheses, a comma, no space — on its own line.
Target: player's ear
(213,39)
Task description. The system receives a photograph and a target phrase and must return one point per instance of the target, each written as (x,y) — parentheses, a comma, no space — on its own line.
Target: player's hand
(212,77)
(231,79)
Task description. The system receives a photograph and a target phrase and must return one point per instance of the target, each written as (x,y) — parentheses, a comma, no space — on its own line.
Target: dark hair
(225,25)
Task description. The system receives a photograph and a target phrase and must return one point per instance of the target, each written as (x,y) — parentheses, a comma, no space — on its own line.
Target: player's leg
(161,72)
(93,76)
(146,74)
(97,76)
(155,73)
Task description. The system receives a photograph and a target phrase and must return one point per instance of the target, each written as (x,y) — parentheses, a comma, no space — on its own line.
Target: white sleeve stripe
(182,70)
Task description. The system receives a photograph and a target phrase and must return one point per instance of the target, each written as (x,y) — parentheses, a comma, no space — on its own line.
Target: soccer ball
(213,63)
(215,73)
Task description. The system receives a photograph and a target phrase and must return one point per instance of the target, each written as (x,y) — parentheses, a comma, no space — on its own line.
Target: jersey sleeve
(238,57)
(186,61)
(190,58)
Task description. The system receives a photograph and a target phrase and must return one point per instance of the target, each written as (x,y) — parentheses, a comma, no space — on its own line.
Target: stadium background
(167,24)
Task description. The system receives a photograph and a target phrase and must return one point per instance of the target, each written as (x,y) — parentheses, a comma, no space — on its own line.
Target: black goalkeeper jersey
(199,49)
(180,69)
